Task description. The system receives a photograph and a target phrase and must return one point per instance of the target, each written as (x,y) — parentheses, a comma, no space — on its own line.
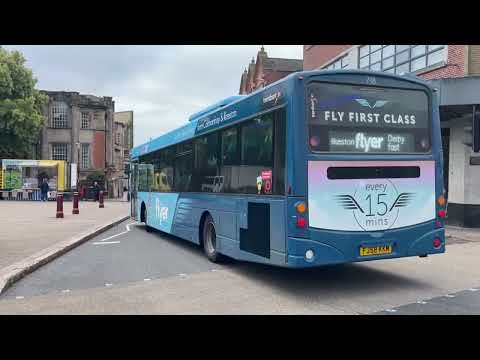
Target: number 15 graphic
(379,203)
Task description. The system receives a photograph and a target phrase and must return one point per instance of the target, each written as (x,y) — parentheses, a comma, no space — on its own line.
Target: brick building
(80,130)
(266,70)
(455,71)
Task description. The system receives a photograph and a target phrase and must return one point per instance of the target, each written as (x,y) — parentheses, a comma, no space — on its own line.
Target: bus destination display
(361,141)
(359,119)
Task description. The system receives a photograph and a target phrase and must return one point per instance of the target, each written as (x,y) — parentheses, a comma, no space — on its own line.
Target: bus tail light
(437,243)
(441,200)
(442,214)
(301,207)
(301,222)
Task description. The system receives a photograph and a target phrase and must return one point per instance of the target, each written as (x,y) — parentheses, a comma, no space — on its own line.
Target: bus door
(148,170)
(133,190)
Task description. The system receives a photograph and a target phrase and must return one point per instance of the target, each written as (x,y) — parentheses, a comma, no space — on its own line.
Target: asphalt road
(128,270)
(465,302)
(105,260)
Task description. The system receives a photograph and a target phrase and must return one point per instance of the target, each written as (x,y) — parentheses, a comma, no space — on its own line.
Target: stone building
(122,144)
(266,70)
(454,70)
(80,130)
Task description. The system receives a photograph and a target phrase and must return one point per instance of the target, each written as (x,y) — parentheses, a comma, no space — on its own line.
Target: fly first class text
(370,118)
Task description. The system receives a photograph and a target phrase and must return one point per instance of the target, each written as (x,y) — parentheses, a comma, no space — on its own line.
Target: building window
(59,115)
(97,117)
(117,138)
(400,59)
(59,152)
(85,120)
(341,63)
(85,156)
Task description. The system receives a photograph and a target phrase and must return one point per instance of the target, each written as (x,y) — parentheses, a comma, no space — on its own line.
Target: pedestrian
(44,189)
(96,191)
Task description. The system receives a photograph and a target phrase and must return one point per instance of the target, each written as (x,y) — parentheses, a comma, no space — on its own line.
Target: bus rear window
(360,119)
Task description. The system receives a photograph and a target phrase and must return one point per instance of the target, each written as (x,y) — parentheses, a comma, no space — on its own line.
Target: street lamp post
(78,166)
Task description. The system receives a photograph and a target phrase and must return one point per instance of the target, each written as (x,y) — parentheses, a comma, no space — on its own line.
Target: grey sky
(163,85)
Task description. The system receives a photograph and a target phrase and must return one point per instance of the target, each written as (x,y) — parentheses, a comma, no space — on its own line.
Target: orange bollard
(100,200)
(75,210)
(59,205)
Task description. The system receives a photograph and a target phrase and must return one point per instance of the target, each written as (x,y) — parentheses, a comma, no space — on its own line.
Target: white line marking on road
(450,296)
(215,270)
(182,275)
(19,297)
(391,310)
(123,232)
(106,243)
(473,289)
(66,291)
(146,279)
(108,284)
(128,225)
(421,302)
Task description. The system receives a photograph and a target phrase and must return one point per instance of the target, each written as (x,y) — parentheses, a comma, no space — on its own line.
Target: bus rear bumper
(325,254)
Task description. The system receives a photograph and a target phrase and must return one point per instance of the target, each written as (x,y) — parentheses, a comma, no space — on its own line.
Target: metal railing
(21,195)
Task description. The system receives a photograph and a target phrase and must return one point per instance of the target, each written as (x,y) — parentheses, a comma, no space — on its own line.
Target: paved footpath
(461,235)
(27,227)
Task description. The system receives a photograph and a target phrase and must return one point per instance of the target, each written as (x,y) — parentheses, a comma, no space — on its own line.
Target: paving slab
(27,227)
(461,234)
(31,236)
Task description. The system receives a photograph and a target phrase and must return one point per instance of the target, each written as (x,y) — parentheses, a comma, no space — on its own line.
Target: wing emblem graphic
(402,200)
(378,103)
(363,102)
(348,202)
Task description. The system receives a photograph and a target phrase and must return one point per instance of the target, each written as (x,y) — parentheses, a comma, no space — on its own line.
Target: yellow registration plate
(376,250)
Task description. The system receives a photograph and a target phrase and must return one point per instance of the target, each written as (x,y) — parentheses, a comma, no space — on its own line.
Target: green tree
(21,118)
(98,176)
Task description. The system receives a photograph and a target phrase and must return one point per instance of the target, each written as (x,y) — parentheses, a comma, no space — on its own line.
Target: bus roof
(188,131)
(212,108)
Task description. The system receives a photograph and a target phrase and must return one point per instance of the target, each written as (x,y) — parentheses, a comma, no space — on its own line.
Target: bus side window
(230,147)
(256,154)
(279,153)
(184,167)
(257,145)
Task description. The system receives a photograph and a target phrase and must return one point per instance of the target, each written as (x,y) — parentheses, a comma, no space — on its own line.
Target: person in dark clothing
(44,188)
(96,191)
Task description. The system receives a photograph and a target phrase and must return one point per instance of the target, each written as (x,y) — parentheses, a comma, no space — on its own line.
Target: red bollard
(75,210)
(100,200)
(59,205)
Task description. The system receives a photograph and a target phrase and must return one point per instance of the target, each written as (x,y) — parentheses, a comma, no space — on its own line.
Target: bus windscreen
(365,119)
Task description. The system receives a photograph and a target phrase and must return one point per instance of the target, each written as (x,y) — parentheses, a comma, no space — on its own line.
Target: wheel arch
(143,210)
(201,224)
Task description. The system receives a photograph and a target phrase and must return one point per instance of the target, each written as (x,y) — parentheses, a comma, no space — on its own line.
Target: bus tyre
(210,240)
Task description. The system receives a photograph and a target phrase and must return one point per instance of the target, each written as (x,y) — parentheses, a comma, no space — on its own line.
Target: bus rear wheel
(210,241)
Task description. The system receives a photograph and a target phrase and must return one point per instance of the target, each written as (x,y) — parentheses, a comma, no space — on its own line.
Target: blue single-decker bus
(321,167)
